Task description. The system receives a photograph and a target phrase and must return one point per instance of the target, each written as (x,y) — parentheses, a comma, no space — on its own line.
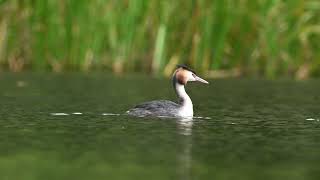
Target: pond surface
(257,129)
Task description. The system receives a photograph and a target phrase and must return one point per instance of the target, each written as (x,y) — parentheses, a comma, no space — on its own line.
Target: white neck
(186,109)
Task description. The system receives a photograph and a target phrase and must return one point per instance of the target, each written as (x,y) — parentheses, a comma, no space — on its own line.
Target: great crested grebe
(184,108)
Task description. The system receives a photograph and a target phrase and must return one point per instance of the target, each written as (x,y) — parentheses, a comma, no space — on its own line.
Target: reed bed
(265,38)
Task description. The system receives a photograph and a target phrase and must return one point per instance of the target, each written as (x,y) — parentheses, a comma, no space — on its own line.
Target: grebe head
(183,74)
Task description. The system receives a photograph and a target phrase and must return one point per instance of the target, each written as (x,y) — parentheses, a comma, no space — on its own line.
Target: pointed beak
(200,79)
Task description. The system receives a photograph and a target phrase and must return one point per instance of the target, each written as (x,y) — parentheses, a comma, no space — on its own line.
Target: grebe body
(184,107)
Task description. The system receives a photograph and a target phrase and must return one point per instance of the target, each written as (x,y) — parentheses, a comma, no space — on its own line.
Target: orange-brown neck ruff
(180,76)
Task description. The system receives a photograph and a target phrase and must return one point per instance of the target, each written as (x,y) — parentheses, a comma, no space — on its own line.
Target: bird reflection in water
(185,153)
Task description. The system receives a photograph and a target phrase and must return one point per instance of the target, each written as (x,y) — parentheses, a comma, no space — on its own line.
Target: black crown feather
(185,67)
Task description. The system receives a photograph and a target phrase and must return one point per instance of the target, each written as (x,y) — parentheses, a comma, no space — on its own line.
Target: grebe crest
(164,108)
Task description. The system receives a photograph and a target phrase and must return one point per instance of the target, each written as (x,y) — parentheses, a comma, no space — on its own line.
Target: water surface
(257,129)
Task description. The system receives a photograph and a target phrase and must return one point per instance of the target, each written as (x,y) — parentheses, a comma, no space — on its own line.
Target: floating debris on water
(77,113)
(200,117)
(21,83)
(197,117)
(310,119)
(59,114)
(110,114)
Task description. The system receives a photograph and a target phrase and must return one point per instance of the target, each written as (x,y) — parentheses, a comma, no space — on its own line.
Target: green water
(257,129)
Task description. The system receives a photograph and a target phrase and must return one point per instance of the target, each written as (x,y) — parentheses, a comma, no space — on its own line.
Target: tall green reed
(261,38)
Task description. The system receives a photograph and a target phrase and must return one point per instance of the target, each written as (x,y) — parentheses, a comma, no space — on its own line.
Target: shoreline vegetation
(221,38)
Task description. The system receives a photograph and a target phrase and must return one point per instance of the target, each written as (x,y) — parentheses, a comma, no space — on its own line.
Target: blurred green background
(219,38)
